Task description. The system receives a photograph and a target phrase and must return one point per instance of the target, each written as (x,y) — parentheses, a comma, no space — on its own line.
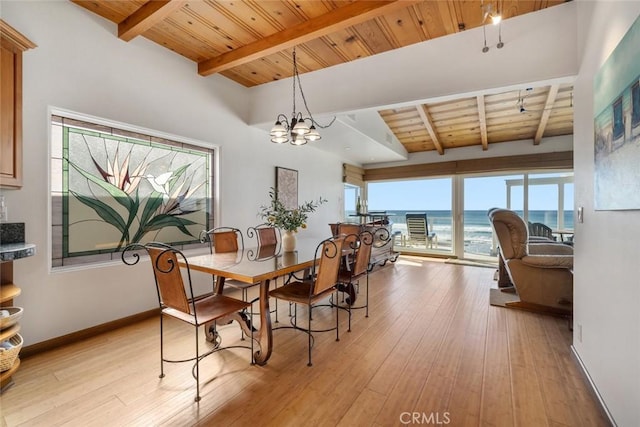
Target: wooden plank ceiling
(531,113)
(251,43)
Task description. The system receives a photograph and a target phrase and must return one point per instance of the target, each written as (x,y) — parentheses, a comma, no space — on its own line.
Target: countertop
(13,251)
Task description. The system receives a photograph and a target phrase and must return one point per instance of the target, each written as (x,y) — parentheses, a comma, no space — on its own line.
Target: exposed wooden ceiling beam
(551,99)
(146,17)
(338,19)
(428,123)
(482,116)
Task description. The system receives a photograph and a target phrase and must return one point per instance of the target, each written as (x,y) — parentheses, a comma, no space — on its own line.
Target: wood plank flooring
(432,351)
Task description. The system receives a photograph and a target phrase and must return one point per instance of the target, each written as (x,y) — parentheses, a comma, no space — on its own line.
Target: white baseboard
(594,389)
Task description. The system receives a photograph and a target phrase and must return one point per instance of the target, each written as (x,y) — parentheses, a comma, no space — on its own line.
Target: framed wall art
(287,187)
(616,104)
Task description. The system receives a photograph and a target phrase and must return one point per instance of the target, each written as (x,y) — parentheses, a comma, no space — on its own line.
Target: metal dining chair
(223,239)
(268,240)
(227,240)
(265,235)
(350,274)
(178,301)
(320,284)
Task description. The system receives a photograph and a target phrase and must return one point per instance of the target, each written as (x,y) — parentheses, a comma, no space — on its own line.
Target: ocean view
(478,237)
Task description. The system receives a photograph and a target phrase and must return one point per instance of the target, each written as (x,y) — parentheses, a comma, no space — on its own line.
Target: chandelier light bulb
(495,19)
(278,130)
(313,134)
(301,128)
(299,140)
(279,139)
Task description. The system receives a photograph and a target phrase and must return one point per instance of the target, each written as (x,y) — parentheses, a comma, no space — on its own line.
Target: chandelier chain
(296,77)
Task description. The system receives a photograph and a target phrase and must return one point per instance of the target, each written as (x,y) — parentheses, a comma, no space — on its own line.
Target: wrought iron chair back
(361,244)
(326,272)
(169,283)
(223,239)
(363,255)
(265,234)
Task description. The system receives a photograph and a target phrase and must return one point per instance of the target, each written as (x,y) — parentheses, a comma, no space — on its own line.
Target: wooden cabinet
(12,45)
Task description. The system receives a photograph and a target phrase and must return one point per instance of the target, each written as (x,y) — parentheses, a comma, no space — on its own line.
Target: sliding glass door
(432,197)
(482,193)
(545,198)
(456,209)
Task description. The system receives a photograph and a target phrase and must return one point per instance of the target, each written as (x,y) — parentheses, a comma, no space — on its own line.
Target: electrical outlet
(579,333)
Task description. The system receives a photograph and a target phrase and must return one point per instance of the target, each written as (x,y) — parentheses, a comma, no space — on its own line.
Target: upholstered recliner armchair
(541,272)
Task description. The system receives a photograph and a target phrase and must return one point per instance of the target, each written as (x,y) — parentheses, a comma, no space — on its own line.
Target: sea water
(478,235)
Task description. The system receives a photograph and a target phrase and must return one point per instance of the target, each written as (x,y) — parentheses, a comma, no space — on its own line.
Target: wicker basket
(15,313)
(8,357)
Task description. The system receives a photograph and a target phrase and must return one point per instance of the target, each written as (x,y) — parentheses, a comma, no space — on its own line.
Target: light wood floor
(432,346)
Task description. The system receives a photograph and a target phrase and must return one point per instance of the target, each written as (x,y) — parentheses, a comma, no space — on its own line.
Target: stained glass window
(112,187)
(635,104)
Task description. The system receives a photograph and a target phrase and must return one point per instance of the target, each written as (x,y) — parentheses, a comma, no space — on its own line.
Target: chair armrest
(548,261)
(550,249)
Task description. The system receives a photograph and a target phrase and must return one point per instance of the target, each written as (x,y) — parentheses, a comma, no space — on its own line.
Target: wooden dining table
(260,266)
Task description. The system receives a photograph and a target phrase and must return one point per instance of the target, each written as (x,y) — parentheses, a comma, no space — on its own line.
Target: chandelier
(300,129)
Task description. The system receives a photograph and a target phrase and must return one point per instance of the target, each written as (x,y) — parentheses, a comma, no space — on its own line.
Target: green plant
(288,219)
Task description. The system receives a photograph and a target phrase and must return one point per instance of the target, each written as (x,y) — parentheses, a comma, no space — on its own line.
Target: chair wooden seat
(208,309)
(300,292)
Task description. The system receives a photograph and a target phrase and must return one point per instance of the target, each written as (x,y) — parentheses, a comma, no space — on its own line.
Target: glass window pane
(551,202)
(568,206)
(481,194)
(430,196)
(351,193)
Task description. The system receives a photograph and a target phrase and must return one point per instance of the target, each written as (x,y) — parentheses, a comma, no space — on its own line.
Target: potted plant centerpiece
(288,220)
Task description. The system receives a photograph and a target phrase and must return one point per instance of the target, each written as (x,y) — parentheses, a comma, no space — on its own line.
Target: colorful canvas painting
(617,126)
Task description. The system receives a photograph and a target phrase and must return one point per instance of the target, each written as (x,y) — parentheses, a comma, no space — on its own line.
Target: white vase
(289,241)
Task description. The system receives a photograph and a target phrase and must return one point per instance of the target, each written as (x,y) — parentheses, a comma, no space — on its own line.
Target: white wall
(607,271)
(509,148)
(80,65)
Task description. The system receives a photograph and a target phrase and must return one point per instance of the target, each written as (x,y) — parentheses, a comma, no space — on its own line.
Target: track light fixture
(522,108)
(492,13)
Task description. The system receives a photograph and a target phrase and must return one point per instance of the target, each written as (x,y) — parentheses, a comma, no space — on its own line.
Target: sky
(481,193)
